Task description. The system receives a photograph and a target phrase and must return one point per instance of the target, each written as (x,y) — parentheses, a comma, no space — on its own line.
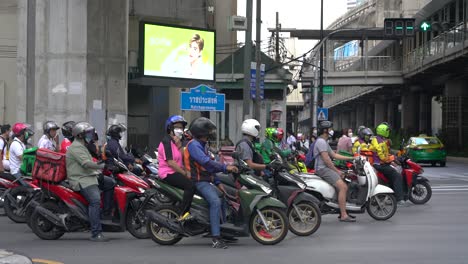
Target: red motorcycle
(14,197)
(63,210)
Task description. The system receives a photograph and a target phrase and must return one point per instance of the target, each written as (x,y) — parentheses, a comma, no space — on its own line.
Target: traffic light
(425,26)
(399,27)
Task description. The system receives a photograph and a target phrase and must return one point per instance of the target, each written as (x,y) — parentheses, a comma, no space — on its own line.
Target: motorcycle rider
(171,167)
(272,138)
(4,147)
(23,135)
(326,170)
(383,162)
(245,147)
(67,129)
(202,170)
(83,175)
(364,139)
(50,138)
(115,133)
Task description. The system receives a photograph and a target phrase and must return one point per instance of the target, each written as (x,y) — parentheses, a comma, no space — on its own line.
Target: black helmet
(67,129)
(83,130)
(324,125)
(203,127)
(365,134)
(49,125)
(115,130)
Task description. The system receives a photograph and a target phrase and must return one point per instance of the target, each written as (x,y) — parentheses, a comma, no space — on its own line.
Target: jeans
(209,192)
(394,177)
(18,176)
(93,195)
(180,181)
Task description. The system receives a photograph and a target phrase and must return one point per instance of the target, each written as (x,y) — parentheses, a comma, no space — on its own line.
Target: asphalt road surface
(436,232)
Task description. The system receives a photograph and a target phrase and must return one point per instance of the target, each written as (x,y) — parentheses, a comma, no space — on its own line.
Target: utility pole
(258,100)
(277,37)
(247,60)
(321,56)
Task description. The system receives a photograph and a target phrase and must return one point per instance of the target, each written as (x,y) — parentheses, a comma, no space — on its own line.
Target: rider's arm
(378,149)
(356,146)
(326,159)
(246,155)
(198,154)
(83,157)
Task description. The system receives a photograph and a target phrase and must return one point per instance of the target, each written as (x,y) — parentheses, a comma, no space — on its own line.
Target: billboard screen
(178,52)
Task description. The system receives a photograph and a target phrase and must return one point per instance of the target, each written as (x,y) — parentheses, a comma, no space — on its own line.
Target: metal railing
(362,63)
(442,45)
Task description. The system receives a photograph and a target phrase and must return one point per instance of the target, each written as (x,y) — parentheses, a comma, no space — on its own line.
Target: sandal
(348,220)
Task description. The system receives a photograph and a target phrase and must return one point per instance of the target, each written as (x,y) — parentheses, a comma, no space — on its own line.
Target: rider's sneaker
(219,243)
(99,238)
(185,217)
(265,234)
(402,204)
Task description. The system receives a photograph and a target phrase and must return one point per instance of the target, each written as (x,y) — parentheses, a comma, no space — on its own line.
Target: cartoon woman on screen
(187,62)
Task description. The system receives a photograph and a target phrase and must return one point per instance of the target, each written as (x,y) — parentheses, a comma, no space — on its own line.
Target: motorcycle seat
(226,179)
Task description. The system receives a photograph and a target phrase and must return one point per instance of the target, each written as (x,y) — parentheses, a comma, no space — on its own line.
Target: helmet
(360,128)
(299,136)
(49,125)
(365,134)
(280,134)
(250,127)
(22,128)
(383,130)
(203,127)
(324,125)
(271,133)
(67,129)
(83,130)
(173,120)
(114,131)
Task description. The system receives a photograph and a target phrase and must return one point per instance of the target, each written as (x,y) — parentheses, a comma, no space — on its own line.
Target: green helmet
(383,130)
(270,133)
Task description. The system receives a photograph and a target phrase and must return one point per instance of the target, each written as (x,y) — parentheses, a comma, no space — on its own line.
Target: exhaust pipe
(165,222)
(50,216)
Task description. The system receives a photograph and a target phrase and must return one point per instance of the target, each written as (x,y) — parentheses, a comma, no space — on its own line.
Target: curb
(9,257)
(457,159)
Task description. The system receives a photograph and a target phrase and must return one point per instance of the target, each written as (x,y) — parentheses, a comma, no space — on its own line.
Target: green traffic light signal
(425,26)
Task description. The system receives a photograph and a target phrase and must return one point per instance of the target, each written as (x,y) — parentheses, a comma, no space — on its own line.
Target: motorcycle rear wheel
(387,200)
(313,219)
(136,224)
(42,227)
(162,235)
(276,220)
(420,193)
(19,194)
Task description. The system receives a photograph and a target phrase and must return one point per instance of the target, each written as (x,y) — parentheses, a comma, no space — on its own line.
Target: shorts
(328,175)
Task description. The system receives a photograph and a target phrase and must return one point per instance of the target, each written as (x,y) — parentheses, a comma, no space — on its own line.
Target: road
(433,233)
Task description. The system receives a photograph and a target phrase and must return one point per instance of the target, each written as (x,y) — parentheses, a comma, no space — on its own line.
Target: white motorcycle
(364,192)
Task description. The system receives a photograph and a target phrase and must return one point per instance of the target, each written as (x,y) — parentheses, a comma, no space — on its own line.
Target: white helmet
(251,127)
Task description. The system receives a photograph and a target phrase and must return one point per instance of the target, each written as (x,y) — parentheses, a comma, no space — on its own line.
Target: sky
(299,14)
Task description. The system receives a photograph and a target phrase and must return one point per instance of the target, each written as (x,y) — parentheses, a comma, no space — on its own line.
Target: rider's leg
(394,177)
(342,191)
(180,181)
(107,185)
(93,196)
(209,192)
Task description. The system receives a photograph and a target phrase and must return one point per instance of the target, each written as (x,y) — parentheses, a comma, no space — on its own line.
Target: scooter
(303,211)
(63,210)
(364,192)
(249,211)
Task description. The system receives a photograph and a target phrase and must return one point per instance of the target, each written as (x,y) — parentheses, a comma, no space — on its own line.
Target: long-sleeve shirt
(117,151)
(380,150)
(200,164)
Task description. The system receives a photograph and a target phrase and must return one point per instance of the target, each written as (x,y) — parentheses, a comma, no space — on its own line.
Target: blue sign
(253,77)
(322,114)
(202,98)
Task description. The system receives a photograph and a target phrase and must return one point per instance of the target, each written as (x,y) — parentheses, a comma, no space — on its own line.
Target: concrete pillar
(80,57)
(391,113)
(360,116)
(408,112)
(379,112)
(452,113)
(424,113)
(353,114)
(369,108)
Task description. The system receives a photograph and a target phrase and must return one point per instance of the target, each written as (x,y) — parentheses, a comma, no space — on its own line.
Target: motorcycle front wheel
(382,206)
(420,193)
(42,227)
(276,229)
(305,220)
(162,235)
(14,203)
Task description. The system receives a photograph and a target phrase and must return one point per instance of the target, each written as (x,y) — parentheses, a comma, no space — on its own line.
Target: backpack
(256,158)
(310,159)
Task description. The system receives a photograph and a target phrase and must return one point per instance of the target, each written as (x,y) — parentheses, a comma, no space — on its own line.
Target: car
(426,149)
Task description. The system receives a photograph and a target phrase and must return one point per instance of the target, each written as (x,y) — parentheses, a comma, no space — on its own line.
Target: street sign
(322,114)
(202,98)
(253,76)
(425,26)
(327,89)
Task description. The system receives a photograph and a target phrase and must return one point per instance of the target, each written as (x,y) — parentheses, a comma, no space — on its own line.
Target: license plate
(430,150)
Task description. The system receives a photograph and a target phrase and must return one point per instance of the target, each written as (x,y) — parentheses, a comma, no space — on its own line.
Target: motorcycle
(250,211)
(303,212)
(63,210)
(364,192)
(14,197)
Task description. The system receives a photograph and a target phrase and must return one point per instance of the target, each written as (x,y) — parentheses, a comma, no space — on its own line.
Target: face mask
(28,141)
(88,138)
(121,134)
(178,132)
(350,134)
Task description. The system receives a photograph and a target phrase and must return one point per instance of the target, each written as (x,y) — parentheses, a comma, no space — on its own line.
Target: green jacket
(268,147)
(81,170)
